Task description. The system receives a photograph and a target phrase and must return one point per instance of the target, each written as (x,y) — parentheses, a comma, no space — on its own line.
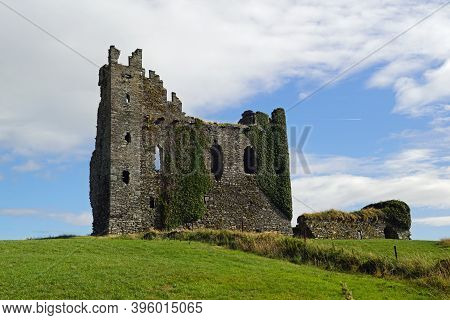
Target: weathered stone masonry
(224,176)
(388,219)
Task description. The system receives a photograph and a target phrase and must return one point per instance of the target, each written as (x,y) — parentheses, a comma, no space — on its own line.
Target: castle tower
(155,167)
(119,135)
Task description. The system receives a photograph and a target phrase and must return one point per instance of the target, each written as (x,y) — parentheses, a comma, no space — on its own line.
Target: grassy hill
(118,268)
(426,251)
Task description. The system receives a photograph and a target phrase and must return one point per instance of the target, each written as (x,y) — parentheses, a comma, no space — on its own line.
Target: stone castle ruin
(388,219)
(155,167)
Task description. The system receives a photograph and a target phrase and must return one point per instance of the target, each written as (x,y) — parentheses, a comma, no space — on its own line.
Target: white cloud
(430,94)
(18,212)
(420,177)
(402,163)
(212,53)
(81,219)
(389,74)
(433,221)
(28,166)
(5,158)
(347,191)
(76,219)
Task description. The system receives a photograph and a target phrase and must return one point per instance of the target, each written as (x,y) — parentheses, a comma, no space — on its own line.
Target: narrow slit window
(128,137)
(158,157)
(126,177)
(152,203)
(250,160)
(127,98)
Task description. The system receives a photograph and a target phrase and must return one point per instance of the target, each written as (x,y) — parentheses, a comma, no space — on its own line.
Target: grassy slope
(430,251)
(102,268)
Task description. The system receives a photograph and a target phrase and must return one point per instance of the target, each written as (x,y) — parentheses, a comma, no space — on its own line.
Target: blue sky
(380,132)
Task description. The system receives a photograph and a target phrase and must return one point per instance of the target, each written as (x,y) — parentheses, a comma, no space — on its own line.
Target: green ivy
(185,178)
(397,213)
(269,139)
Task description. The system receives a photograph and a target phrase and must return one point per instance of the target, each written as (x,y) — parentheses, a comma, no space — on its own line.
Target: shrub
(397,212)
(445,242)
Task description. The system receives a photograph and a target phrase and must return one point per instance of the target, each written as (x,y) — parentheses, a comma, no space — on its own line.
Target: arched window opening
(127,98)
(152,203)
(158,158)
(126,177)
(128,137)
(217,161)
(250,160)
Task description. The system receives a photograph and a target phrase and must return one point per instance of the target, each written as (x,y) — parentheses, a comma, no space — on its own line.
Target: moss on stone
(185,180)
(397,213)
(269,139)
(364,215)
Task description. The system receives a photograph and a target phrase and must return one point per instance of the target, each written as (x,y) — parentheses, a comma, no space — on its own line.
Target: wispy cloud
(433,221)
(28,166)
(18,212)
(345,191)
(402,163)
(5,157)
(76,219)
(421,177)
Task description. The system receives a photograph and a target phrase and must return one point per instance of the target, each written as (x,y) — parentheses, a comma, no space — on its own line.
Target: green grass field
(108,268)
(428,251)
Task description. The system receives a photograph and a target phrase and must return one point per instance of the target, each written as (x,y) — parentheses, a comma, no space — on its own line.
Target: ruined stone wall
(339,229)
(236,201)
(135,117)
(344,225)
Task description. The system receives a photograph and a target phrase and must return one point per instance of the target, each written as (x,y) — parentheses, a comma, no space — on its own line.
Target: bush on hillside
(397,212)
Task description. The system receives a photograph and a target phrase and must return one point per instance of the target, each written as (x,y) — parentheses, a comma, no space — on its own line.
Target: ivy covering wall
(185,177)
(269,139)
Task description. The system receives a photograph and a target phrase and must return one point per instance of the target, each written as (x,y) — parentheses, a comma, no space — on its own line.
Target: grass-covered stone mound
(332,214)
(397,213)
(388,219)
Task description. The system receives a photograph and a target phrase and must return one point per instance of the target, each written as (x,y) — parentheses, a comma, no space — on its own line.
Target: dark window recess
(217,161)
(250,160)
(127,98)
(159,120)
(390,233)
(126,176)
(152,203)
(128,137)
